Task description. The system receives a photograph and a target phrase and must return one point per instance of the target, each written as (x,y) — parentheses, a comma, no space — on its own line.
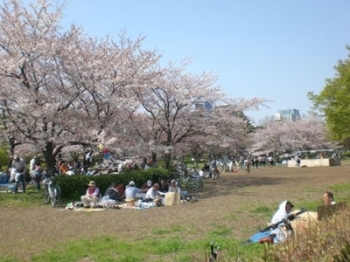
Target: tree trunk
(50,157)
(167,160)
(12,145)
(154,158)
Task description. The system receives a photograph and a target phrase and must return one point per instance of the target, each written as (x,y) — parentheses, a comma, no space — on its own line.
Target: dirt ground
(231,200)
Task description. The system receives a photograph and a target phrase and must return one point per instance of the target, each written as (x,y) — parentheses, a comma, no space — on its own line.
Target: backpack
(112,194)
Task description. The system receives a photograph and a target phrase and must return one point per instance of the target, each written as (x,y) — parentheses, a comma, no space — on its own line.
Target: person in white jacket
(281,233)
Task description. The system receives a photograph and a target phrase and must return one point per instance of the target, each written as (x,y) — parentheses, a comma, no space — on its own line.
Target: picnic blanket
(81,209)
(138,205)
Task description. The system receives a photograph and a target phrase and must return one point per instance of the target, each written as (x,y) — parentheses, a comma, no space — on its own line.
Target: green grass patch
(262,210)
(172,229)
(29,199)
(220,231)
(7,259)
(105,249)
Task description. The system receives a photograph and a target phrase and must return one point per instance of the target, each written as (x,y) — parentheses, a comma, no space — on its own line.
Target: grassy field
(228,212)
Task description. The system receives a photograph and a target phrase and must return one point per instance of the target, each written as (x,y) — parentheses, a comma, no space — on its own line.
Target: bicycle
(190,182)
(52,193)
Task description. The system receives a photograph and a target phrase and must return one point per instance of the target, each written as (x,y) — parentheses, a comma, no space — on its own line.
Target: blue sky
(276,49)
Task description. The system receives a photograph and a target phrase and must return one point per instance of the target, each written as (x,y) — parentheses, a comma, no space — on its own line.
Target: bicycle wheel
(195,184)
(181,182)
(58,192)
(46,196)
(54,198)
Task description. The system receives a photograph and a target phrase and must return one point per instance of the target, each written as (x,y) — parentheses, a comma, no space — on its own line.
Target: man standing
(32,164)
(19,166)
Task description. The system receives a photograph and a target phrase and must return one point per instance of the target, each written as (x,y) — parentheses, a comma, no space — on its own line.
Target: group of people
(148,192)
(281,233)
(20,175)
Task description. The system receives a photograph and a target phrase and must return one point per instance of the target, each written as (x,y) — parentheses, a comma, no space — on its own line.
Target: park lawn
(228,212)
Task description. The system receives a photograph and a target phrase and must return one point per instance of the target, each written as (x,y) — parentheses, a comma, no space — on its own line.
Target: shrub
(73,187)
(346,154)
(322,241)
(3,157)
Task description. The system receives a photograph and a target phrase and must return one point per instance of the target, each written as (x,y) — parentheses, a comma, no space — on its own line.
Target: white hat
(131,183)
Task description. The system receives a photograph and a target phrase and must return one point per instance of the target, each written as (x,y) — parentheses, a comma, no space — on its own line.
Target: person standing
(37,175)
(19,168)
(32,164)
(88,158)
(298,160)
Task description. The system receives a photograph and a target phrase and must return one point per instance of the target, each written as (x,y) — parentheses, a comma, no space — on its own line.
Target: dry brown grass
(228,201)
(321,241)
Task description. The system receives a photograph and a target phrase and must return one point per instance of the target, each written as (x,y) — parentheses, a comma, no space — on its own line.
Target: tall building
(287,115)
(205,108)
(204,105)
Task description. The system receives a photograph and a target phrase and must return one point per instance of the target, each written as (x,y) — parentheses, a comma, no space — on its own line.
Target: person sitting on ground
(131,191)
(121,191)
(280,234)
(153,194)
(206,167)
(91,197)
(328,198)
(5,177)
(173,187)
(146,186)
(163,187)
(112,193)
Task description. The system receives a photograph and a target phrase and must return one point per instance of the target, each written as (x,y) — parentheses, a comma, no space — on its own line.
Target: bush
(322,241)
(3,157)
(73,187)
(346,154)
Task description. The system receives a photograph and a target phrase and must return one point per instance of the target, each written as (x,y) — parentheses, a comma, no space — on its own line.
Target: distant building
(204,105)
(287,115)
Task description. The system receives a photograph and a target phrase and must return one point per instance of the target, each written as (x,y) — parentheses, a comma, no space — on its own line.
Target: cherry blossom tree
(288,136)
(62,88)
(29,89)
(174,120)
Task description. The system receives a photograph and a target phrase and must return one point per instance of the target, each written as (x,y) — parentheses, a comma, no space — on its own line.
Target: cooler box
(172,198)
